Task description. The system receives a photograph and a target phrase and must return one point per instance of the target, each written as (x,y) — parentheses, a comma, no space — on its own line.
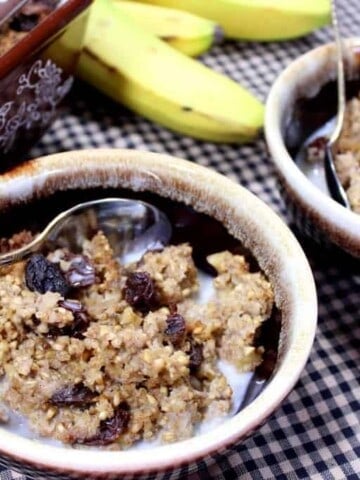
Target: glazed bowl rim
(152,171)
(327,211)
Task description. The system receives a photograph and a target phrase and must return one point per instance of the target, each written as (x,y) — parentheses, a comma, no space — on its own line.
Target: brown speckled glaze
(246,218)
(317,215)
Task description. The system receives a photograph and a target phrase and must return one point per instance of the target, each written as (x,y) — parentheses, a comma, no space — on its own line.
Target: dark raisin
(30,323)
(140,292)
(175,329)
(80,323)
(32,13)
(316,149)
(267,366)
(73,305)
(319,142)
(79,326)
(173,308)
(195,356)
(81,272)
(110,429)
(4,245)
(24,23)
(77,395)
(42,276)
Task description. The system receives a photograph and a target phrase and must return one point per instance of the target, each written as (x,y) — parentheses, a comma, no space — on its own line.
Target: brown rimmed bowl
(245,217)
(302,99)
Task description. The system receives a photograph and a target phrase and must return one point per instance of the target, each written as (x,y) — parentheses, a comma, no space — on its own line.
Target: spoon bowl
(131,226)
(323,171)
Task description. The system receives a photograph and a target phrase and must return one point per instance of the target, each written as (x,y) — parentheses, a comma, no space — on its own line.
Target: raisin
(175,329)
(4,245)
(73,305)
(110,429)
(316,149)
(81,272)
(195,356)
(24,23)
(77,395)
(31,14)
(140,292)
(42,276)
(79,326)
(173,308)
(267,366)
(80,323)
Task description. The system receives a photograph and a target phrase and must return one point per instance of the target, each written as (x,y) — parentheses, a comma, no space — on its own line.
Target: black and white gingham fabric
(316,432)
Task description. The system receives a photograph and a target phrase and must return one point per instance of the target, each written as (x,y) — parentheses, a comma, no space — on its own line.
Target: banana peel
(188,33)
(258,20)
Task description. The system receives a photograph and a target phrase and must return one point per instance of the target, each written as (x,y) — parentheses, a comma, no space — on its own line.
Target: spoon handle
(340,76)
(335,187)
(334,184)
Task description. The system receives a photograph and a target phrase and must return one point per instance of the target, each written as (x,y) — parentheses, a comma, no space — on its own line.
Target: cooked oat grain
(348,154)
(132,374)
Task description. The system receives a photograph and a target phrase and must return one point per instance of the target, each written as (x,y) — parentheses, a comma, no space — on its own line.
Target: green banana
(189,33)
(148,76)
(261,20)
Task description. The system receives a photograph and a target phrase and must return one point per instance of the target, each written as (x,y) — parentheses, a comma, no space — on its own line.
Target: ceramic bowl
(36,73)
(256,226)
(301,100)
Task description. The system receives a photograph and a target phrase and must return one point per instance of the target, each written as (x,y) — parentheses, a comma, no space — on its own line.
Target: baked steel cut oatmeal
(348,154)
(97,353)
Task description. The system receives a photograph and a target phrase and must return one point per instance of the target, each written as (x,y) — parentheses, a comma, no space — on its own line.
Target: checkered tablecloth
(316,432)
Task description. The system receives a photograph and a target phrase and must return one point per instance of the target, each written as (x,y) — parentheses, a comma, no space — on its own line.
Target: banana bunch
(260,20)
(135,53)
(145,74)
(189,33)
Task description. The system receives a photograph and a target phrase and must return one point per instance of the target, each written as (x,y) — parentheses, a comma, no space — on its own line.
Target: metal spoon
(323,173)
(131,226)
(335,187)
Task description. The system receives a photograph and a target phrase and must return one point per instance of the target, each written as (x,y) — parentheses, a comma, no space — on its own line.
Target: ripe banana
(148,76)
(262,20)
(189,33)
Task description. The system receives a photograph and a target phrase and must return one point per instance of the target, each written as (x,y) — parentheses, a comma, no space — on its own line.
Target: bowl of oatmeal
(178,352)
(300,112)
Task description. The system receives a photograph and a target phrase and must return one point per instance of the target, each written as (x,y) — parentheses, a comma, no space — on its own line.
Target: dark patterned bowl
(36,74)
(301,100)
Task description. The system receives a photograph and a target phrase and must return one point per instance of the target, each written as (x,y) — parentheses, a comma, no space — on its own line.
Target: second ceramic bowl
(302,99)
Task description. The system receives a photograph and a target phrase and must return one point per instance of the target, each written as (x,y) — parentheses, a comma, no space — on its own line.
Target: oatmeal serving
(97,353)
(348,154)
